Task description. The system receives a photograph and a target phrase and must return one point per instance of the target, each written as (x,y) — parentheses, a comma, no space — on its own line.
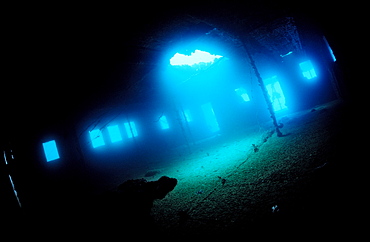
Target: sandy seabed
(260,182)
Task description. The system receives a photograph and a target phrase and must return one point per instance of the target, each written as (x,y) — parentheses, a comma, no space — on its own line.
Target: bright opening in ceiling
(196,57)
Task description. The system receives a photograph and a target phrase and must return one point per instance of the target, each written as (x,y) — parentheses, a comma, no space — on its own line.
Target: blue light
(332,54)
(131,129)
(6,161)
(210,117)
(194,58)
(307,69)
(330,50)
(276,94)
(114,133)
(243,93)
(187,115)
(96,137)
(51,150)
(289,53)
(163,122)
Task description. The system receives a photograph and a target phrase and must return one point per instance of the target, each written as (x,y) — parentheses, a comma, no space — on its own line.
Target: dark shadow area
(133,200)
(123,212)
(146,148)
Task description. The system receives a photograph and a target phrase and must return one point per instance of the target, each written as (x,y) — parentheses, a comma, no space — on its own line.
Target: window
(276,94)
(114,133)
(96,137)
(187,115)
(131,129)
(163,122)
(243,94)
(51,150)
(210,117)
(307,70)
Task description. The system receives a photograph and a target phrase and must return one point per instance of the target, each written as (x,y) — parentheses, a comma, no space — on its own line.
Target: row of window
(272,85)
(274,90)
(96,136)
(115,135)
(114,132)
(97,139)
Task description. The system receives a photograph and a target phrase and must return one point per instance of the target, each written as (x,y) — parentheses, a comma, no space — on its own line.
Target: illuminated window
(187,115)
(276,93)
(114,133)
(210,117)
(51,150)
(243,94)
(131,129)
(96,137)
(163,122)
(307,69)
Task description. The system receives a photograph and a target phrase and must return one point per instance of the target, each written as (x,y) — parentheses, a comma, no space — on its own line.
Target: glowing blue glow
(289,53)
(210,117)
(131,129)
(243,93)
(187,115)
(276,93)
(163,122)
(6,161)
(332,54)
(114,133)
(197,57)
(50,150)
(15,192)
(307,69)
(96,137)
(330,50)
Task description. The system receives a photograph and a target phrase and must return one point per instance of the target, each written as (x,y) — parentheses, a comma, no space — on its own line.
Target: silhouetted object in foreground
(141,188)
(132,202)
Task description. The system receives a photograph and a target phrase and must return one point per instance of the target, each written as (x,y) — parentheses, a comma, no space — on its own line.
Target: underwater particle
(199,192)
(275,209)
